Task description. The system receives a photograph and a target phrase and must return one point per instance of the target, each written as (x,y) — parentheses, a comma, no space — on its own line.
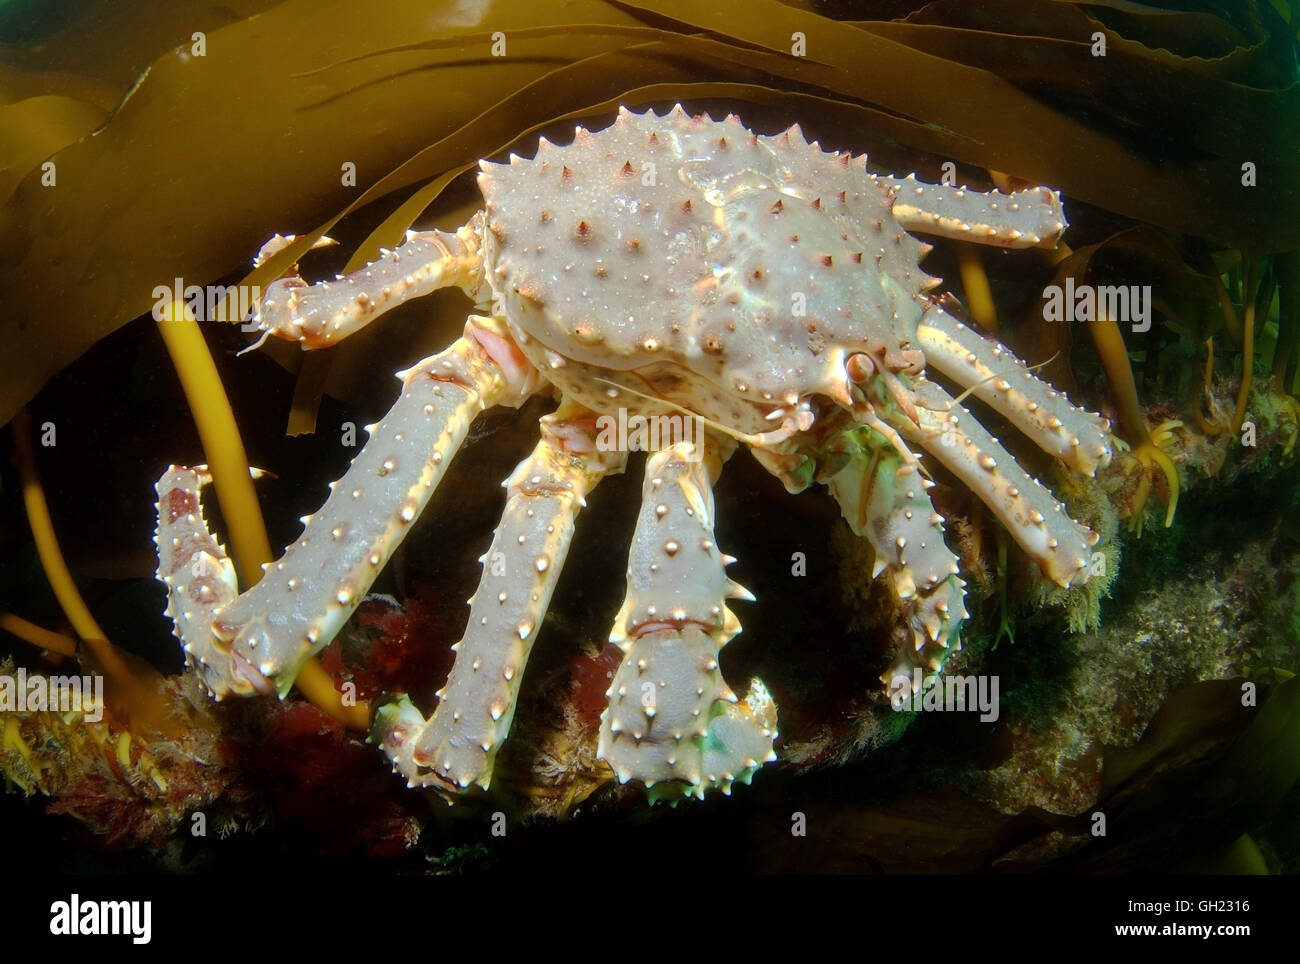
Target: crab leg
(321,314)
(671,716)
(1000,379)
(458,745)
(200,581)
(1031,218)
(243,643)
(883,498)
(1060,546)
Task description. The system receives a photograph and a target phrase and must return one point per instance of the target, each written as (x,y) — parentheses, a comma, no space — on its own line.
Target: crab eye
(860,367)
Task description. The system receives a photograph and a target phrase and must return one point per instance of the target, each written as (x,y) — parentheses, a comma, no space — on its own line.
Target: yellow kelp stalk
(975,282)
(1250,293)
(1288,338)
(38,636)
(1119,373)
(139,693)
(231,476)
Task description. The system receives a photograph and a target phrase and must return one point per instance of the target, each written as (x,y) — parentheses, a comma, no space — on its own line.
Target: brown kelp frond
(33,129)
(77,68)
(485,40)
(1142,46)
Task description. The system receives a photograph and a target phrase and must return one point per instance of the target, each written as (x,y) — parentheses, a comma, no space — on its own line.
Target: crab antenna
(764,438)
(988,378)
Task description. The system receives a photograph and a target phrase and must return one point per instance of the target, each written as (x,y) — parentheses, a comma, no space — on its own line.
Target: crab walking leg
(1031,218)
(1060,546)
(458,745)
(671,716)
(321,314)
(306,597)
(883,498)
(1000,379)
(200,580)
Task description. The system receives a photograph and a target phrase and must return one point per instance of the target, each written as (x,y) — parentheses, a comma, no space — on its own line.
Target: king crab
(665,266)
